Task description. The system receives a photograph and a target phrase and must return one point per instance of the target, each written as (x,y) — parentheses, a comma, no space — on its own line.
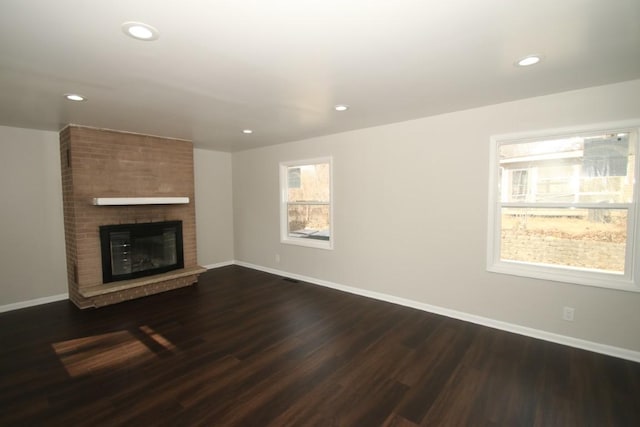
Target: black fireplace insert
(130,251)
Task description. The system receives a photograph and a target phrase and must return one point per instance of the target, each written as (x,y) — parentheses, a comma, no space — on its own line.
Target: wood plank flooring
(247,348)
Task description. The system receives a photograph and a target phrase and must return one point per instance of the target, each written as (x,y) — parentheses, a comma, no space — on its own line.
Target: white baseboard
(219,264)
(33,302)
(609,350)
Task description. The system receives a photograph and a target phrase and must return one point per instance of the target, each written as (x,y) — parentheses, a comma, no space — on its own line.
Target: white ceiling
(279,66)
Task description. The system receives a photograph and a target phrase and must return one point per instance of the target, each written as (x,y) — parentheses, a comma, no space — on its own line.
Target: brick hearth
(105,163)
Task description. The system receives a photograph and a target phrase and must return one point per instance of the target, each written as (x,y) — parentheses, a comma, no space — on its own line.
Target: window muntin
(306,210)
(563,208)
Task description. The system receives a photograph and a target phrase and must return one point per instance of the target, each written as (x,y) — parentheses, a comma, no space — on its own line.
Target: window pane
(293,177)
(310,221)
(580,169)
(312,183)
(583,238)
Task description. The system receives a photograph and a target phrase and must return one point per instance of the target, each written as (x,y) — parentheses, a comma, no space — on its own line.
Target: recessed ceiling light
(341,107)
(247,131)
(140,31)
(529,60)
(74,97)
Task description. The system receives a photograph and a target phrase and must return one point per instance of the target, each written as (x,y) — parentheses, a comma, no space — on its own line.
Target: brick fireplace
(144,174)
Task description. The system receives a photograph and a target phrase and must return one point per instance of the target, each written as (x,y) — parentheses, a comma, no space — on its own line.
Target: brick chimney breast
(105,163)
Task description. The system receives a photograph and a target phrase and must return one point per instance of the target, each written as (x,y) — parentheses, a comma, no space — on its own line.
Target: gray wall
(410,213)
(32,253)
(214,209)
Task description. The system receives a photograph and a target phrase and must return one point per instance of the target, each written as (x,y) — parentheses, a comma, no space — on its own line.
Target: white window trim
(301,241)
(629,281)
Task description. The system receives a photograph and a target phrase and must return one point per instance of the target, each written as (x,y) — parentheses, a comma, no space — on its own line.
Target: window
(563,206)
(519,184)
(305,207)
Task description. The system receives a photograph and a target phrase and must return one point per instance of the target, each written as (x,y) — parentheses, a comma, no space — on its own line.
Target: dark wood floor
(248,348)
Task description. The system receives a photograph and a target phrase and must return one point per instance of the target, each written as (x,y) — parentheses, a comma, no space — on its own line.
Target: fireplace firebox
(130,251)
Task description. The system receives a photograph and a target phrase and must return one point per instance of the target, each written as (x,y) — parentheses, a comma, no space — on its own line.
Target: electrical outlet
(567,313)
(277,258)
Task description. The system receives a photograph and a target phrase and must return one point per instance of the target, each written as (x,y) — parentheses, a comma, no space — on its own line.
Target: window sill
(308,242)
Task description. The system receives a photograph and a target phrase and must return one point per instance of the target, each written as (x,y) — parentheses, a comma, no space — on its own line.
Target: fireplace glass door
(136,250)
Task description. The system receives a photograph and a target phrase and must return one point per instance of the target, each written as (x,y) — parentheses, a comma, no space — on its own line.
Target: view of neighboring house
(564,201)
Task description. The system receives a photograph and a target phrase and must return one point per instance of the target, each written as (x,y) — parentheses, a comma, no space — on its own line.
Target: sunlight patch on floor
(158,338)
(98,353)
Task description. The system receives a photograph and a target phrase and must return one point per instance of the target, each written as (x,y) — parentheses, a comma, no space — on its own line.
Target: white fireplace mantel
(123,201)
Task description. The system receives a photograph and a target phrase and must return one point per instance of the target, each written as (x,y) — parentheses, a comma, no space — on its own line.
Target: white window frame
(629,280)
(284,184)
